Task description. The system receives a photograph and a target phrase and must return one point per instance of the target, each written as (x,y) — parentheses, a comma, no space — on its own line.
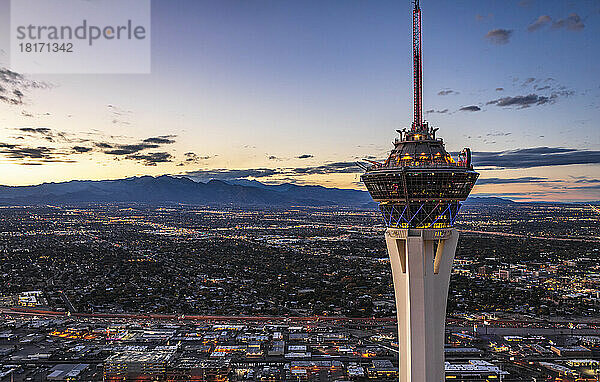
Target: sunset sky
(298,91)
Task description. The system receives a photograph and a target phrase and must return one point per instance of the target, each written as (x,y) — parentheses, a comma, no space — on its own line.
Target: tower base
(421,262)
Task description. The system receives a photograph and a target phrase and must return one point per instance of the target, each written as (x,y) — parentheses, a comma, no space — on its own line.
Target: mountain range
(171,189)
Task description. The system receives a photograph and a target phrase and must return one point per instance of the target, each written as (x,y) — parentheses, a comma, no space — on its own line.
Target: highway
(174,317)
(507,234)
(529,325)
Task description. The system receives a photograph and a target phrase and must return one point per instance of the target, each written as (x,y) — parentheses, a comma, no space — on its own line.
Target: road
(501,324)
(172,317)
(495,233)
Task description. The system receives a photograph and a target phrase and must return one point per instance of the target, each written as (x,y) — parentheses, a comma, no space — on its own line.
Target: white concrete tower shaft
(421,262)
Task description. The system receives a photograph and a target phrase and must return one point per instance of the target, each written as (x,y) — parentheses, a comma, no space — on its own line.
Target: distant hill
(488,200)
(594,203)
(168,189)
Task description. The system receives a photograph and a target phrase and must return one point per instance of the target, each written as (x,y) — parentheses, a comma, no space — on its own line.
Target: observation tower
(419,189)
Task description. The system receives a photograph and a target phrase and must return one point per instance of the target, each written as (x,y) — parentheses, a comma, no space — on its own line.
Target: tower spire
(417,124)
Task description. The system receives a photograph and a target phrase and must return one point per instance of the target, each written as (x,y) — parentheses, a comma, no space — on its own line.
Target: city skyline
(288,290)
(298,92)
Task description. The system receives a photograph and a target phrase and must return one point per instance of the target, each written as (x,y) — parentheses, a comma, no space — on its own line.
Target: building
(142,364)
(305,369)
(591,363)
(382,368)
(571,351)
(504,274)
(461,353)
(473,370)
(419,189)
(31,299)
(192,369)
(559,370)
(67,372)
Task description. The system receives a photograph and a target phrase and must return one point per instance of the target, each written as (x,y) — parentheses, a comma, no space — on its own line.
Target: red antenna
(417,69)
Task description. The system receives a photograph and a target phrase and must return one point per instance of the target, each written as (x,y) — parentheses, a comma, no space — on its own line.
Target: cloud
(470,108)
(522,101)
(10,101)
(151,159)
(525,179)
(525,3)
(304,156)
(447,92)
(45,133)
(229,174)
(36,130)
(81,149)
(590,187)
(130,149)
(16,79)
(499,36)
(539,23)
(525,101)
(553,92)
(436,111)
(70,145)
(514,195)
(119,115)
(29,152)
(118,111)
(289,173)
(14,97)
(192,158)
(536,157)
(19,81)
(479,17)
(163,139)
(33,155)
(328,168)
(571,23)
(498,134)
(14,86)
(528,81)
(585,179)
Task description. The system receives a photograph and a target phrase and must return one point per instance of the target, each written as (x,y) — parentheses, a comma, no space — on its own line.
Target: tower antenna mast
(417,124)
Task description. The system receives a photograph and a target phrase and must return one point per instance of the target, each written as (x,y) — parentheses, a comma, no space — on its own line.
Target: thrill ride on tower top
(420,185)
